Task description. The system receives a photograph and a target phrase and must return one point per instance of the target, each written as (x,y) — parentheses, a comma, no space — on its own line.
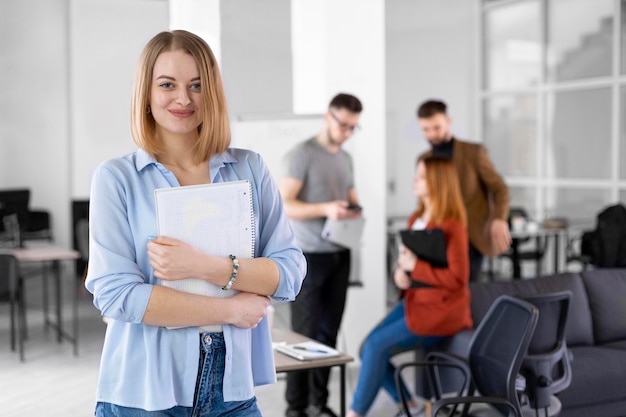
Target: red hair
(444,191)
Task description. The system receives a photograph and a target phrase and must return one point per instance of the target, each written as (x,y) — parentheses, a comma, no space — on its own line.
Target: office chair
(516,252)
(546,367)
(496,351)
(82,242)
(11,290)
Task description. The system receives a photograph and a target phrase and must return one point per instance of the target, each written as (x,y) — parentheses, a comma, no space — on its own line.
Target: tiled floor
(53,382)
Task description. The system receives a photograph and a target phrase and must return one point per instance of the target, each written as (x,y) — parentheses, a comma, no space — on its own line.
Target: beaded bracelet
(233,275)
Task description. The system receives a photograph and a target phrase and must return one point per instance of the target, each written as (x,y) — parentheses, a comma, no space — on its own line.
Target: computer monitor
(15,201)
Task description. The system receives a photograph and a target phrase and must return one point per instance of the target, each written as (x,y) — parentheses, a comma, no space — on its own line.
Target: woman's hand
(406,259)
(172,259)
(406,263)
(248,309)
(401,279)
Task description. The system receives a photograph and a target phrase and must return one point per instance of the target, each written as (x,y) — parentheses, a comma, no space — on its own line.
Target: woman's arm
(456,274)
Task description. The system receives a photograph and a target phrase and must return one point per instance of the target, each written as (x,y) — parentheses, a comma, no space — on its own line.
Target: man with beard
(485,194)
(318,183)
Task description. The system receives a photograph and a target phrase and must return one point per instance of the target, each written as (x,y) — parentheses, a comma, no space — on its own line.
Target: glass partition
(622,135)
(580,39)
(511,133)
(526,197)
(578,142)
(578,205)
(512,45)
(623,37)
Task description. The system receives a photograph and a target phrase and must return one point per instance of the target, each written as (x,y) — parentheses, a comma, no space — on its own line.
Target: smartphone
(354,207)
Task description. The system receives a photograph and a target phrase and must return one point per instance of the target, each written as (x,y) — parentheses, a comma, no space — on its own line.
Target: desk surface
(286,363)
(41,252)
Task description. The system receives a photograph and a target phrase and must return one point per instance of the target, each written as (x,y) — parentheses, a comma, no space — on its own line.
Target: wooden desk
(44,252)
(286,363)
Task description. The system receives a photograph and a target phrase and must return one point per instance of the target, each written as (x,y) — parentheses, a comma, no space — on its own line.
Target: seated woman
(439,305)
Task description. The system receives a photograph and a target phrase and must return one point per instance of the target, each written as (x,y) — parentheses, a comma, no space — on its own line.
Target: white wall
(431,53)
(106,38)
(34,132)
(65,105)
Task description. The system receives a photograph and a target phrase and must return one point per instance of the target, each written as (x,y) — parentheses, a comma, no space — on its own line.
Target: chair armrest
(432,367)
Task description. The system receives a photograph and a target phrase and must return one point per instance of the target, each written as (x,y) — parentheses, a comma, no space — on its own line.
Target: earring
(148,110)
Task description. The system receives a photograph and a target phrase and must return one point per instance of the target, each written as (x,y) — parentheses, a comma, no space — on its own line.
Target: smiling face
(175,95)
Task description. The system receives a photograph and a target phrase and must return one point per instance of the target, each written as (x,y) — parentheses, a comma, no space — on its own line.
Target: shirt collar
(143,159)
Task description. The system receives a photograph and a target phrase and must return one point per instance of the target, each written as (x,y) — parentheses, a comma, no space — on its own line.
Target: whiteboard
(273,137)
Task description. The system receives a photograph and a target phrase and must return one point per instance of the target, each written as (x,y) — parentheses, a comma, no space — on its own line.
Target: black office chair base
(553,410)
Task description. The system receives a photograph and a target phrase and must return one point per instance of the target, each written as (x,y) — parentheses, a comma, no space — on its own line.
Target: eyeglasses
(344,126)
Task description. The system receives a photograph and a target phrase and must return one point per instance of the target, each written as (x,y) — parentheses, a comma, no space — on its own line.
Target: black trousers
(317,313)
(476,263)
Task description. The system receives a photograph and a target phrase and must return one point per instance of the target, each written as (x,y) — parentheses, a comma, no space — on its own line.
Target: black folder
(427,244)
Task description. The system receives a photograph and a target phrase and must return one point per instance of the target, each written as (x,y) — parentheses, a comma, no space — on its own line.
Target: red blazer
(444,309)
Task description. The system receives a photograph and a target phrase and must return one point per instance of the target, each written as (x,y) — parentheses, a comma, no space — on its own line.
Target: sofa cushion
(606,289)
(579,330)
(597,376)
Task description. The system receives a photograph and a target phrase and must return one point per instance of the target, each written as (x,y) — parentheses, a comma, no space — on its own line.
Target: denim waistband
(211,341)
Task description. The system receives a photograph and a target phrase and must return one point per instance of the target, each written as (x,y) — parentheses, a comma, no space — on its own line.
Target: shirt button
(207,340)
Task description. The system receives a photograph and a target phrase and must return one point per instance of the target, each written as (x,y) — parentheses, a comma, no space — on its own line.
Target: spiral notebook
(217,219)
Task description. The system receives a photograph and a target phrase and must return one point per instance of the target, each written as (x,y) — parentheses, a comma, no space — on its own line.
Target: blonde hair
(444,190)
(214,131)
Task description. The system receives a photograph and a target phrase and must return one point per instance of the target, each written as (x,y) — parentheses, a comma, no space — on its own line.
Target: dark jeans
(476,263)
(317,313)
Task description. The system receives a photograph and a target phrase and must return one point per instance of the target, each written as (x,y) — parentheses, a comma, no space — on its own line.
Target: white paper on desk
(345,232)
(217,219)
(306,351)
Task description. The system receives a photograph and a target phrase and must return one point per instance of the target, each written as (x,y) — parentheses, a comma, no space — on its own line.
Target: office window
(623,37)
(553,116)
(511,133)
(581,204)
(526,197)
(622,136)
(578,140)
(512,45)
(580,39)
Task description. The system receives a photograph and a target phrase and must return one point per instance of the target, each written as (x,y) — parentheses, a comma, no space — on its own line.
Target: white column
(339,46)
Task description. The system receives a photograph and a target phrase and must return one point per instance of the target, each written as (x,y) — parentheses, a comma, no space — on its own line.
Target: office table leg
(56,272)
(44,284)
(342,370)
(61,334)
(556,252)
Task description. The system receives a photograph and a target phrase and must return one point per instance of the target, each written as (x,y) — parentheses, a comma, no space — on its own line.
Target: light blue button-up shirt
(155,368)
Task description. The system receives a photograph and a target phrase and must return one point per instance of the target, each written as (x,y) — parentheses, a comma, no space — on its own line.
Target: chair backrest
(547,366)
(499,346)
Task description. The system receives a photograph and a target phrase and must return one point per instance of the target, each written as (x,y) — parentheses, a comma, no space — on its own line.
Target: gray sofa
(595,333)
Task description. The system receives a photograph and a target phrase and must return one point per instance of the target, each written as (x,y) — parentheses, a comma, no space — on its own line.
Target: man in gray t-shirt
(318,183)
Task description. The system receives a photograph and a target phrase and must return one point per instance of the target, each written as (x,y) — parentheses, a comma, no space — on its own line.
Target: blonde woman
(221,347)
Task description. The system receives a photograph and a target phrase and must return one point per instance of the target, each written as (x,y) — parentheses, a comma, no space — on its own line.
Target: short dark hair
(346,101)
(430,108)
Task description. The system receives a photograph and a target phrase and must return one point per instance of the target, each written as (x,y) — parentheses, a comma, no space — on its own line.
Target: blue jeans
(208,398)
(388,338)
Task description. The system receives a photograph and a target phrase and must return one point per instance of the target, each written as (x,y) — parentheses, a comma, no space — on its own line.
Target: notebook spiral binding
(253,222)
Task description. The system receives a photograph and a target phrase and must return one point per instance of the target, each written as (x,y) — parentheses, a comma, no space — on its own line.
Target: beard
(333,140)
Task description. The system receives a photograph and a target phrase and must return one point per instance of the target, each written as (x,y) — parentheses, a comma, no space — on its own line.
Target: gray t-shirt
(325,177)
